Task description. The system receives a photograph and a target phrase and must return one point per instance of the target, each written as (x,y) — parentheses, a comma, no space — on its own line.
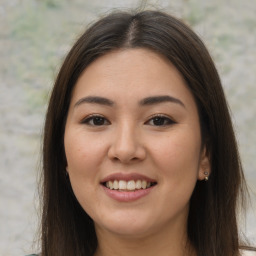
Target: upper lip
(127,177)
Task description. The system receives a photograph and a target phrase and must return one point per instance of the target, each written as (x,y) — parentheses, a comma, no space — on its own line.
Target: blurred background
(35,35)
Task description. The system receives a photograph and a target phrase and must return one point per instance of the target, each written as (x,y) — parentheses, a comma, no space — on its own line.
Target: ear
(204,170)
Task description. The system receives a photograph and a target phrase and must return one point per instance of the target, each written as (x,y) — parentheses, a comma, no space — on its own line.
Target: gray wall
(34,37)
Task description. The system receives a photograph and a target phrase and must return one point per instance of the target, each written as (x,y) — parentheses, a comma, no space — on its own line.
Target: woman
(139,153)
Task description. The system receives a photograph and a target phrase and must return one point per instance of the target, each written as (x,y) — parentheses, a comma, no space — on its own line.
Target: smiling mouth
(127,186)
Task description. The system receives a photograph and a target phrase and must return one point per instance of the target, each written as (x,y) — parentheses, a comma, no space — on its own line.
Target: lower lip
(124,196)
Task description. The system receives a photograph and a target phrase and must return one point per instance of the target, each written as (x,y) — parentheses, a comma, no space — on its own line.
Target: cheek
(83,152)
(84,159)
(178,155)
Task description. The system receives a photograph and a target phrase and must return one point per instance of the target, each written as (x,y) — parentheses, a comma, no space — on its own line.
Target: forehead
(131,74)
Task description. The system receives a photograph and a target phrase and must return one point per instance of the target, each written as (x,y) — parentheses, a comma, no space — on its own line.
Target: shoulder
(248,253)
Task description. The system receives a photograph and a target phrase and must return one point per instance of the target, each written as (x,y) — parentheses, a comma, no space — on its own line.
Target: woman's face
(133,143)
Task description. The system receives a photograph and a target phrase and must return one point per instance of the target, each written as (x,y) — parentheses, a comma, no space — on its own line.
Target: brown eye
(96,121)
(160,120)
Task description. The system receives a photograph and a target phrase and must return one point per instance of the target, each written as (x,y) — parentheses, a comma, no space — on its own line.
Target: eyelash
(164,120)
(93,118)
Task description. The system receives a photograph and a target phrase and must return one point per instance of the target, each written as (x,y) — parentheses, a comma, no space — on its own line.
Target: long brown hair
(212,229)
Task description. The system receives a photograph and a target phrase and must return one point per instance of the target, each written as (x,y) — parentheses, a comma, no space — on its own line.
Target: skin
(129,139)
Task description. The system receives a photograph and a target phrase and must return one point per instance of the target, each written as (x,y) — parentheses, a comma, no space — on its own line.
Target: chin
(129,230)
(127,226)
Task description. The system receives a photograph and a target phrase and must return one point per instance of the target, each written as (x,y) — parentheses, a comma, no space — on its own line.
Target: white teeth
(128,185)
(138,184)
(131,185)
(110,184)
(115,184)
(122,184)
(143,184)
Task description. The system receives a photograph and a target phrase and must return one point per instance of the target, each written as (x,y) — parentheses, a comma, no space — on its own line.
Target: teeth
(143,184)
(138,184)
(115,184)
(110,184)
(122,184)
(131,185)
(128,185)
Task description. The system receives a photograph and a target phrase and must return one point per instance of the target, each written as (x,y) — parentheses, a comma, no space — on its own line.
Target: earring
(206,176)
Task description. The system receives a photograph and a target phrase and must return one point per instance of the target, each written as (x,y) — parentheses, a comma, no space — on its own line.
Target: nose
(126,146)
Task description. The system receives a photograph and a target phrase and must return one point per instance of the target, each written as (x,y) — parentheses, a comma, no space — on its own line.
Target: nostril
(125,159)
(126,152)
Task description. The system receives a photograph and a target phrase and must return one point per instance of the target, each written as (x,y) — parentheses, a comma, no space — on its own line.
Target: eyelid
(90,117)
(171,119)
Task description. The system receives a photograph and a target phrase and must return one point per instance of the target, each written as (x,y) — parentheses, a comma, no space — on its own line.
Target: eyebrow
(144,102)
(95,100)
(160,99)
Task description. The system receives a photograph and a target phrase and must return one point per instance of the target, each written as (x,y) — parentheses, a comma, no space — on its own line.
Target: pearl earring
(206,176)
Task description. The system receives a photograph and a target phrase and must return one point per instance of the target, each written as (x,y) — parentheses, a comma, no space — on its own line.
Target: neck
(164,243)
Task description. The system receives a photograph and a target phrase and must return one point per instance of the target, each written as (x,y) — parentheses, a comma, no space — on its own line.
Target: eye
(160,120)
(95,120)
